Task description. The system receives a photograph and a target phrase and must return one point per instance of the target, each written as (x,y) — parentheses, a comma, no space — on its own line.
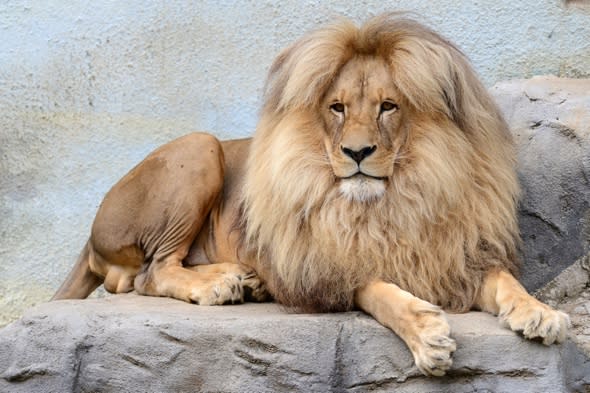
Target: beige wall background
(88,88)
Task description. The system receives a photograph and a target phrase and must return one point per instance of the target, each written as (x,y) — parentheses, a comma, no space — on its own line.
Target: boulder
(550,120)
(129,343)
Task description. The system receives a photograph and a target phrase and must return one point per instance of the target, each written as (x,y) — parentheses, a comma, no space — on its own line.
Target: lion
(381,176)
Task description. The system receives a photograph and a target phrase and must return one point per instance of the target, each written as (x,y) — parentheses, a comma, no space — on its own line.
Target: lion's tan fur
(448,214)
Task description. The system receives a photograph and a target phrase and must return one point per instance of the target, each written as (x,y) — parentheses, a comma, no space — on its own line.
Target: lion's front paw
(248,281)
(536,321)
(431,344)
(225,290)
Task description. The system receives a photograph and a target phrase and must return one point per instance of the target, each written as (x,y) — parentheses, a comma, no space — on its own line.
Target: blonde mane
(448,214)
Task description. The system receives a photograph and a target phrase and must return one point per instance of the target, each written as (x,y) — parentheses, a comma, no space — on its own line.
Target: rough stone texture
(88,88)
(550,120)
(570,292)
(578,308)
(569,284)
(129,343)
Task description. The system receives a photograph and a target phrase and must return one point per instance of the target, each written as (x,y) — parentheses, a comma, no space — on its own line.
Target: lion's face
(363,118)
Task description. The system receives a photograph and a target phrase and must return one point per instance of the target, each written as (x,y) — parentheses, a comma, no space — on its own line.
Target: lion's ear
(468,102)
(453,94)
(300,74)
(426,71)
(435,76)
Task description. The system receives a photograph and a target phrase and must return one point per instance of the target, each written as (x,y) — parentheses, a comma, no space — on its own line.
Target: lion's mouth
(361,175)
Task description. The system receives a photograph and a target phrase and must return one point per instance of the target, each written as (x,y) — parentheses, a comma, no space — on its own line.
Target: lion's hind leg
(119,279)
(422,325)
(502,295)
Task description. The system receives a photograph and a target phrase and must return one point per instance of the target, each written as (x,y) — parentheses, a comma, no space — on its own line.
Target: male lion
(381,176)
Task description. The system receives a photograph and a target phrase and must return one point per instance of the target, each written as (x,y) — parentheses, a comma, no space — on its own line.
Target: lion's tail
(81,281)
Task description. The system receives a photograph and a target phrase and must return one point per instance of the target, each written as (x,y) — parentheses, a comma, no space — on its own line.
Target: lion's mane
(449,211)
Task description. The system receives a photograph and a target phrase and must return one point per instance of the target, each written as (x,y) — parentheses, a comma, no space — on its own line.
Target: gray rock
(569,284)
(550,120)
(129,343)
(570,292)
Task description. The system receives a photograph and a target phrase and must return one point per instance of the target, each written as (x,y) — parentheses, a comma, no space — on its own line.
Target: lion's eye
(337,107)
(387,106)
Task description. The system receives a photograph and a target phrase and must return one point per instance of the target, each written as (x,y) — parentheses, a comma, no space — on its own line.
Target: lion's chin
(362,188)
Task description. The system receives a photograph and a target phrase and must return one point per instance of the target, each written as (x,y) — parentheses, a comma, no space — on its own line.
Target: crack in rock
(26,373)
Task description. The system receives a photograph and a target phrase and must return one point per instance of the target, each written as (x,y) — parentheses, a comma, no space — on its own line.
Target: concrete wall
(88,88)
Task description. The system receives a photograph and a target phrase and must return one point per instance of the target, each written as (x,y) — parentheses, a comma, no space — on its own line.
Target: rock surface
(570,292)
(550,120)
(129,343)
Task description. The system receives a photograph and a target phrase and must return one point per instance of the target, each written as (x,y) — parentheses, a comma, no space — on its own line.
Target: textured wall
(87,89)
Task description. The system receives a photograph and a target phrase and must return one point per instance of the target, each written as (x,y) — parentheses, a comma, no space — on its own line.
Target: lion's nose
(359,155)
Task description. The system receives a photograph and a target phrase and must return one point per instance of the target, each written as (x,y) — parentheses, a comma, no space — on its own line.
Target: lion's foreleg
(423,326)
(168,278)
(502,295)
(254,288)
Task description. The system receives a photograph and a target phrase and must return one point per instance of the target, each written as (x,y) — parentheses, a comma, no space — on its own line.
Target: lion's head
(379,154)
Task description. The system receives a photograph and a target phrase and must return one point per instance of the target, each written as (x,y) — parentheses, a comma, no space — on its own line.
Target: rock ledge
(129,343)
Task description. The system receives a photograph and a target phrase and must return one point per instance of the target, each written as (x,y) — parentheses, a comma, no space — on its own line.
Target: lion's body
(381,175)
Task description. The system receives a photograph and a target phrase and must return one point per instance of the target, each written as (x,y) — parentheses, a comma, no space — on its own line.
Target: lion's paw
(431,344)
(537,321)
(254,288)
(226,290)
(251,285)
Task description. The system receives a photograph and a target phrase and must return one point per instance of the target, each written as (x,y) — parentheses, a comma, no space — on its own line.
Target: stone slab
(130,343)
